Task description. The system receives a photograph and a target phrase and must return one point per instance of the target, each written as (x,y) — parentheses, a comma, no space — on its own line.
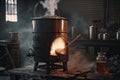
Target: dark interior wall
(114,13)
(114,9)
(1,14)
(92,9)
(23,27)
(79,12)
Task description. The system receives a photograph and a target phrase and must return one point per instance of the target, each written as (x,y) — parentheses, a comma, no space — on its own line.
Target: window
(11,10)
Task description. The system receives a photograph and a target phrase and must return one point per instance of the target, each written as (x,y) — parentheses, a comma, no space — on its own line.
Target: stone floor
(4,77)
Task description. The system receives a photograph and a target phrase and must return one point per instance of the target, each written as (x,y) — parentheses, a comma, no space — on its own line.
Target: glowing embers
(58,47)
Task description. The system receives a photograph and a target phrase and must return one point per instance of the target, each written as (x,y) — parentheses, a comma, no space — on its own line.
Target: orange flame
(58,45)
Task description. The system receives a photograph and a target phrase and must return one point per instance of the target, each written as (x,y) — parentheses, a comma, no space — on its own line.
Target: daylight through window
(11,10)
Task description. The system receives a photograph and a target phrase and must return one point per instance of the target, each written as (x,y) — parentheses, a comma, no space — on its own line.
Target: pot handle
(35,7)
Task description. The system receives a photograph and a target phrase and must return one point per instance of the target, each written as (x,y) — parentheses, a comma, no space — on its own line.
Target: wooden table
(73,74)
(58,74)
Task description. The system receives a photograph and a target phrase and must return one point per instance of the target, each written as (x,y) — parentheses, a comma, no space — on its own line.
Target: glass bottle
(101,63)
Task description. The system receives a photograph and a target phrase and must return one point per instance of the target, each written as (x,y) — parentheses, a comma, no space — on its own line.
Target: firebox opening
(58,47)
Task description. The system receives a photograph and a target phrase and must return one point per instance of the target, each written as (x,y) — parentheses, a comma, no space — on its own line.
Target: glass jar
(101,63)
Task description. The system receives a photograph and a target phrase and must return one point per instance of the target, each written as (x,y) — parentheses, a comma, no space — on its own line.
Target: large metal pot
(45,29)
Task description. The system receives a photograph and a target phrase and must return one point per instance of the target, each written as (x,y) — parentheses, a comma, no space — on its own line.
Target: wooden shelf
(99,43)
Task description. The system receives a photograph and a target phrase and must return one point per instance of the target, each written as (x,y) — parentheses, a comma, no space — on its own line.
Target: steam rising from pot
(51,6)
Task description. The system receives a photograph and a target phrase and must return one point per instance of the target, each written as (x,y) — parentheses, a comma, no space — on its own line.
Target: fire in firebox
(58,46)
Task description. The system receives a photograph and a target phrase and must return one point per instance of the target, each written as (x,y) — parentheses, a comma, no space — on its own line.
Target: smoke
(78,59)
(51,6)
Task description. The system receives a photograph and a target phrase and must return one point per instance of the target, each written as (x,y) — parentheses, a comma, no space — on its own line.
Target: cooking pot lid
(50,17)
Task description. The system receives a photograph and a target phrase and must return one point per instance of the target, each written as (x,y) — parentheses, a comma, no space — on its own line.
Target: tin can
(118,35)
(92,32)
(100,36)
(106,36)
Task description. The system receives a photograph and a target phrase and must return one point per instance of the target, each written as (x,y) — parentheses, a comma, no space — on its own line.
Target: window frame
(11,11)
